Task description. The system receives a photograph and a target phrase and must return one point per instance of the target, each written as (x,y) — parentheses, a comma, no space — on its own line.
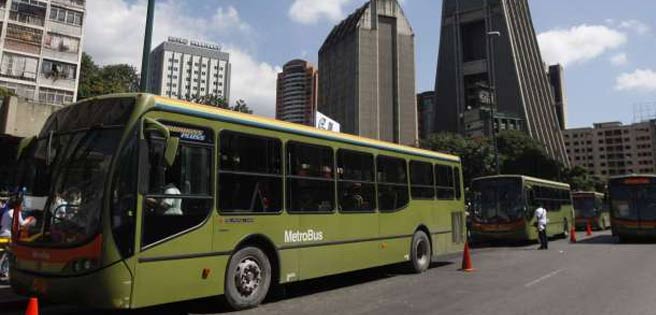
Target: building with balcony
(611,148)
(296,93)
(41,48)
(187,69)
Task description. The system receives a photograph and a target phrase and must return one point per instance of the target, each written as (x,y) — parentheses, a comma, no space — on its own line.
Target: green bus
(589,207)
(146,200)
(632,200)
(504,205)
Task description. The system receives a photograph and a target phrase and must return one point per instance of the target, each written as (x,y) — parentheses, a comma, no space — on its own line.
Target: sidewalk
(9,300)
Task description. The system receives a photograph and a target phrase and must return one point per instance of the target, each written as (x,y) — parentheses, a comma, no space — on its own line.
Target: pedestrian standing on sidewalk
(541,223)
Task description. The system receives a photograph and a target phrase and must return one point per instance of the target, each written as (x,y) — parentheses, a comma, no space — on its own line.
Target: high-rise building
(296,97)
(188,69)
(425,113)
(490,69)
(41,48)
(368,74)
(557,81)
(609,149)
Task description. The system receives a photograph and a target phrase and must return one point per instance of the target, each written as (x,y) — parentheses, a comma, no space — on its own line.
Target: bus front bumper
(634,232)
(517,235)
(107,288)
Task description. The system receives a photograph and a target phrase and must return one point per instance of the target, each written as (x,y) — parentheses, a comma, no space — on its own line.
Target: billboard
(324,122)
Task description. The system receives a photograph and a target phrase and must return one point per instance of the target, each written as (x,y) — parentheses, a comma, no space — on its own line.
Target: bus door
(174,238)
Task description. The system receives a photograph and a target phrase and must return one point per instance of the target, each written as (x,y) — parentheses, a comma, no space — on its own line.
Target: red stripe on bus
(58,255)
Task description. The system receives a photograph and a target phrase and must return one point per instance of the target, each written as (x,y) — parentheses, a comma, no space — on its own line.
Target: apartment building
(611,148)
(187,69)
(41,47)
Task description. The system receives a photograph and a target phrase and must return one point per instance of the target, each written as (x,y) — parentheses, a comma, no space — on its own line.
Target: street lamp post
(145,59)
(493,98)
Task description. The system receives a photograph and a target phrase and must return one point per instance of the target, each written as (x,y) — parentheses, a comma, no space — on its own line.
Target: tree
(476,154)
(581,180)
(96,80)
(242,107)
(521,154)
(210,100)
(217,101)
(4,93)
(88,73)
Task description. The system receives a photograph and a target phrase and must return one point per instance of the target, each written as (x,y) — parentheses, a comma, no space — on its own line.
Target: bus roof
(529,178)
(215,113)
(574,193)
(632,176)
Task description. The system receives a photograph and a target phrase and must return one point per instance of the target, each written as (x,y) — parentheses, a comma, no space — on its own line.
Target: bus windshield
(584,206)
(498,200)
(63,172)
(633,202)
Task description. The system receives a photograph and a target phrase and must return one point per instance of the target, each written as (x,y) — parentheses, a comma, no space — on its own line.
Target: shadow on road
(306,288)
(598,240)
(289,291)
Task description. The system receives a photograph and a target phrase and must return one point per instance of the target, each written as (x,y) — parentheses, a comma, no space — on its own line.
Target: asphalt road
(594,276)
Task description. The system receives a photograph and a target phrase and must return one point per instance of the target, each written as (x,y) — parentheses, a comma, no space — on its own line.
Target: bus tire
(420,252)
(248,278)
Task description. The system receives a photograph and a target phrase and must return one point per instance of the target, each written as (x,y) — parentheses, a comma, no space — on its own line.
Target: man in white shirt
(541,221)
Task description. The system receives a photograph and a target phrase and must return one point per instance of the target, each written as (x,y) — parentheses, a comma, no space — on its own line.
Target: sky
(606,46)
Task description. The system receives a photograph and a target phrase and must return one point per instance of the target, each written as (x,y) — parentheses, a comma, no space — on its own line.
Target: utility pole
(148,38)
(493,98)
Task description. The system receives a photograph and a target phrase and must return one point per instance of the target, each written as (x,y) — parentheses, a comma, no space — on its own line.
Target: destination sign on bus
(636,181)
(189,134)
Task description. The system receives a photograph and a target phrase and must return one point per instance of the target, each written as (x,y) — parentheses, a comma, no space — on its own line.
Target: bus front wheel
(420,252)
(248,278)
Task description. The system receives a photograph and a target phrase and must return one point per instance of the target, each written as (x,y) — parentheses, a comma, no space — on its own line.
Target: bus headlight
(83,265)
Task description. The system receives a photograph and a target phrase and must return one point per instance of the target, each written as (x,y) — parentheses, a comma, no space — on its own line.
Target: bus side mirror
(172,143)
(23,145)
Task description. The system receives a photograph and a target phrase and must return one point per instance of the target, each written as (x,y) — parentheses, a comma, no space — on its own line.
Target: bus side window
(250,173)
(356,184)
(310,180)
(422,180)
(444,182)
(392,183)
(457,182)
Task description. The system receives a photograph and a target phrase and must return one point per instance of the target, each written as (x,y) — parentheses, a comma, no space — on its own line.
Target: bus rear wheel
(248,278)
(420,252)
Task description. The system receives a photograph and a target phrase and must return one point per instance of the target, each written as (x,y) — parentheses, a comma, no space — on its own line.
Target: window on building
(19,67)
(58,70)
(62,43)
(356,184)
(66,16)
(56,97)
(310,178)
(392,183)
(250,173)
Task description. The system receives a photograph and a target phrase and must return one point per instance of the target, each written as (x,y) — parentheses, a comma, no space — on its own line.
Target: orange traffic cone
(32,307)
(572,235)
(466,260)
(588,229)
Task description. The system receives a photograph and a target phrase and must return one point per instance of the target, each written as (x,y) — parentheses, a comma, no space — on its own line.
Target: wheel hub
(248,277)
(421,252)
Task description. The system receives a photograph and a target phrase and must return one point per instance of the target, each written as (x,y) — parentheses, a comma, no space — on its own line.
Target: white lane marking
(547,276)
